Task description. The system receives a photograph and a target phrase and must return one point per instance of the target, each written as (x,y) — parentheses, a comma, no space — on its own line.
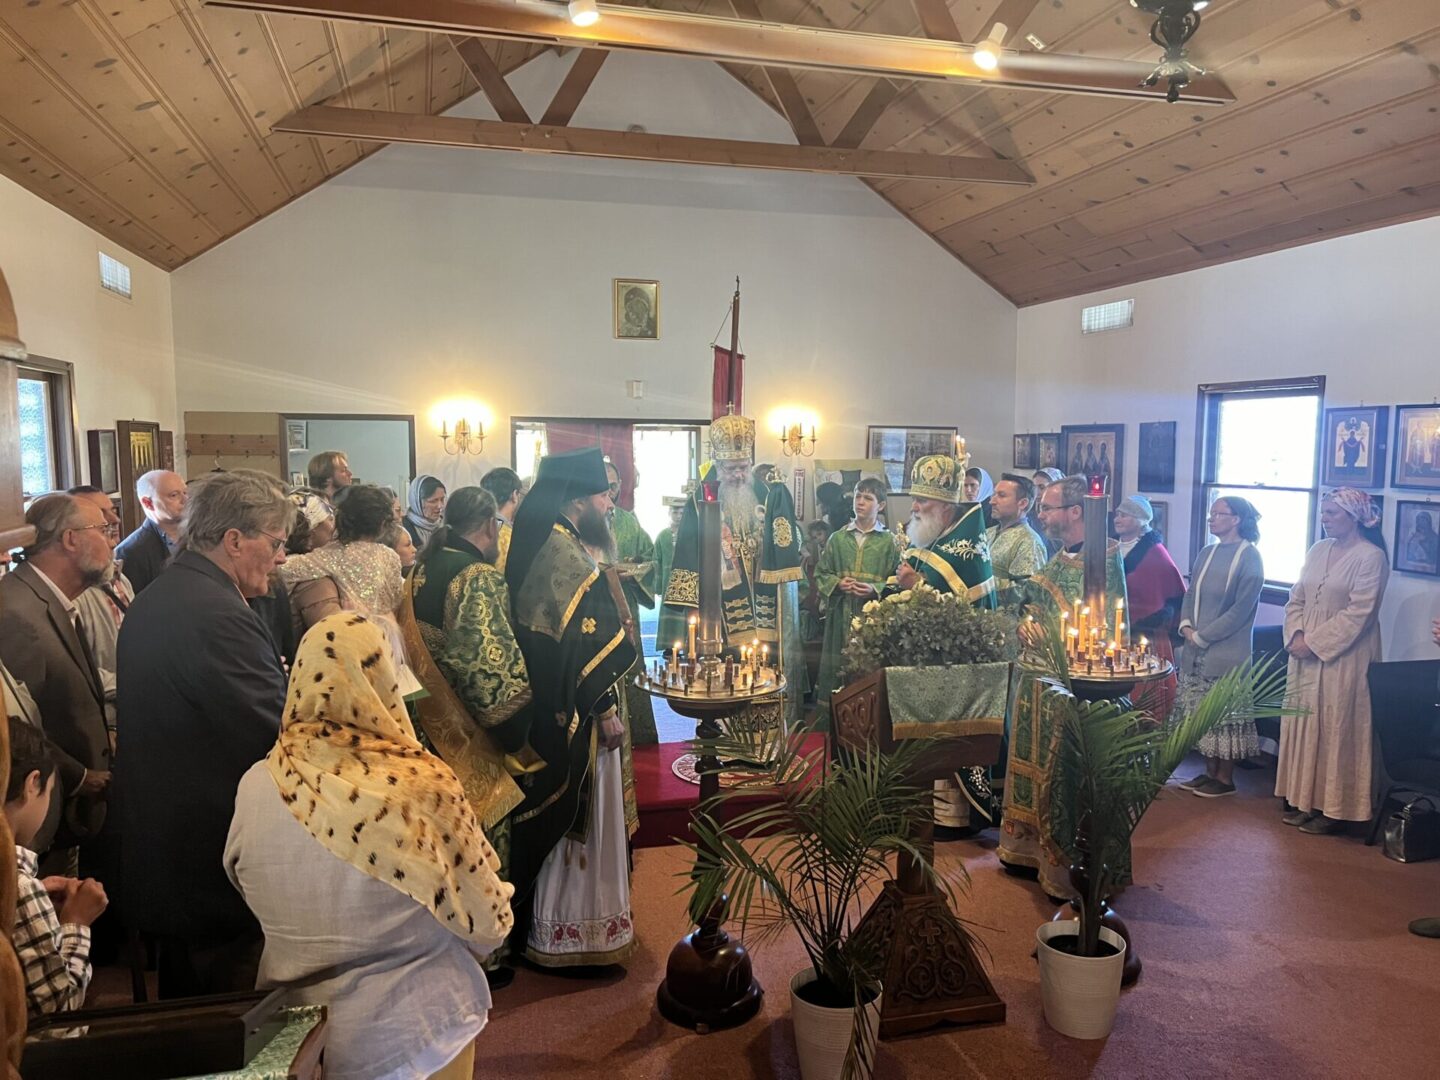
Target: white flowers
(855,623)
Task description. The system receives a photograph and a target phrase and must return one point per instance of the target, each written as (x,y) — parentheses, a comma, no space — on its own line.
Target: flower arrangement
(923,627)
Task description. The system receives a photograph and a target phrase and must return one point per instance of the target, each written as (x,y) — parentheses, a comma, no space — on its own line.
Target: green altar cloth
(274,1059)
(964,699)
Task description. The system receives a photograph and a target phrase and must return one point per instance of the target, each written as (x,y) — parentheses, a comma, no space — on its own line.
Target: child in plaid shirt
(54,950)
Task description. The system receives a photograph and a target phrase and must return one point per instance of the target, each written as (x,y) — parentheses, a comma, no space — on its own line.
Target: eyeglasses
(85,528)
(276,542)
(1063,506)
(1221,513)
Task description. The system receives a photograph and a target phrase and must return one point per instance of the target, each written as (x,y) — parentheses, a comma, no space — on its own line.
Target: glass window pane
(37,444)
(1284,528)
(1267,440)
(529,449)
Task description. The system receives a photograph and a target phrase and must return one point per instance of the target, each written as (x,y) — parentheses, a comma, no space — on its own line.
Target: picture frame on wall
(297,435)
(1417,448)
(137,450)
(900,447)
(1160,522)
(1416,548)
(298,480)
(104,466)
(637,309)
(1157,456)
(1095,450)
(1353,448)
(1025,456)
(1047,451)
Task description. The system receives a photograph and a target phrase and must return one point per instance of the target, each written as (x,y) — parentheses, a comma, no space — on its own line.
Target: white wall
(378,451)
(123,350)
(426,273)
(1360,310)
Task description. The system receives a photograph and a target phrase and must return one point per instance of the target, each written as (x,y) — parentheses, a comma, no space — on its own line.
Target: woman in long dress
(1332,633)
(1217,622)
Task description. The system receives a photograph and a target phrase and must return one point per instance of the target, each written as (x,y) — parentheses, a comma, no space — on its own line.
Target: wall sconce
(794,442)
(466,441)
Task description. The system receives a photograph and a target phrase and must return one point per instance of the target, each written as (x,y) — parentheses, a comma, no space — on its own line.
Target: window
(114,276)
(1260,441)
(37,437)
(1116,315)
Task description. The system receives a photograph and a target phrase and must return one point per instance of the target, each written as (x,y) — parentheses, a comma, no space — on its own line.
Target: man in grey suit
(42,646)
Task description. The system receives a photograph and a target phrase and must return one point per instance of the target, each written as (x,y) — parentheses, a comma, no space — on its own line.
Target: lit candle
(694,622)
(764,655)
(1119,614)
(1144,645)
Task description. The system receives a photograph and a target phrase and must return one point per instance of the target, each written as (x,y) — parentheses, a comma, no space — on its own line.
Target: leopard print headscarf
(351,771)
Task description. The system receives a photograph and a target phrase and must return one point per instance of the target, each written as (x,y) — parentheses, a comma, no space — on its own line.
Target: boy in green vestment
(665,542)
(635,561)
(857,561)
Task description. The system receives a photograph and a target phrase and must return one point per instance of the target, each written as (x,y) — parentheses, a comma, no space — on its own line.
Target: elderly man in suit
(201,689)
(145,551)
(43,645)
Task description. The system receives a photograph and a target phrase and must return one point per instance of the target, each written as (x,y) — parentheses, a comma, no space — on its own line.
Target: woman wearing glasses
(1216,622)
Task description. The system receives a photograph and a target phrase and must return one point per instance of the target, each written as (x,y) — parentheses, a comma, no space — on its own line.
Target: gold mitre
(732,438)
(937,476)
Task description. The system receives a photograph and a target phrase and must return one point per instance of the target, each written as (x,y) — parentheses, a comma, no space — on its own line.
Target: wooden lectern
(931,975)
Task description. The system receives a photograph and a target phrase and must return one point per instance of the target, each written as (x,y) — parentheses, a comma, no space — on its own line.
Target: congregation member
(398,540)
(855,565)
(1016,550)
(978,487)
(147,550)
(665,542)
(569,857)
(410,904)
(635,562)
(1025,840)
(1155,591)
(201,688)
(329,473)
(103,605)
(1332,633)
(1217,623)
(426,505)
(1043,478)
(508,490)
(52,915)
(314,522)
(42,644)
(478,710)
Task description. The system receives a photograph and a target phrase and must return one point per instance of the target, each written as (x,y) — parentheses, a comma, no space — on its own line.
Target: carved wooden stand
(932,975)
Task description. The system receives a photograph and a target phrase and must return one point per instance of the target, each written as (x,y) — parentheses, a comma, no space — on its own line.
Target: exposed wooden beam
(743,42)
(492,82)
(787,90)
(572,91)
(869,111)
(936,20)
(366,126)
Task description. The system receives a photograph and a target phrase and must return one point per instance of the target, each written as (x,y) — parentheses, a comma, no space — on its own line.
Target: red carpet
(665,800)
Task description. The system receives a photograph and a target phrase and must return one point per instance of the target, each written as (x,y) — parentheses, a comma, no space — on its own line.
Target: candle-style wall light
(466,441)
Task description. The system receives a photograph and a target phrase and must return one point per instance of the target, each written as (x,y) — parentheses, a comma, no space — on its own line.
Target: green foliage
(1111,763)
(811,859)
(922,627)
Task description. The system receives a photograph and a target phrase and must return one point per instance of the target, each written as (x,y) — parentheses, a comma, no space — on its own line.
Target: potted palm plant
(805,862)
(1109,765)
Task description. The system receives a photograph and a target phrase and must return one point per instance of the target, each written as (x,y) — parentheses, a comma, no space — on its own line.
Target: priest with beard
(760,560)
(569,858)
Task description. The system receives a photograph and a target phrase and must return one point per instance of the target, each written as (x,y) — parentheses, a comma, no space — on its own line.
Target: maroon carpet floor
(1268,954)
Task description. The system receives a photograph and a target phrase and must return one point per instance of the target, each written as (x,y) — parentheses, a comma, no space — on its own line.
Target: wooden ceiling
(151,120)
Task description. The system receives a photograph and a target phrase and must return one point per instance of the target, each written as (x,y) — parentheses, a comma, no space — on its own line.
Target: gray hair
(246,500)
(50,515)
(1073,489)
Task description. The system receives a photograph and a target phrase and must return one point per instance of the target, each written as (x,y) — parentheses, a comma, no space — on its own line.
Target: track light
(584,12)
(987,53)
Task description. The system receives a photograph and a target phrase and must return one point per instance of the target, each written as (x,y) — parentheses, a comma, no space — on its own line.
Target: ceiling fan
(1175,24)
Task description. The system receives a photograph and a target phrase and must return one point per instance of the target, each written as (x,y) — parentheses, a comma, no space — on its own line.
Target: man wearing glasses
(201,688)
(103,606)
(42,644)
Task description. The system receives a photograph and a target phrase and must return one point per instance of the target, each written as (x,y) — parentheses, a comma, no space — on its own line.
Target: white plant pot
(822,1036)
(1079,993)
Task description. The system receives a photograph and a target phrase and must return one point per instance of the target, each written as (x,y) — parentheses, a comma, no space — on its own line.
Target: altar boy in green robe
(857,561)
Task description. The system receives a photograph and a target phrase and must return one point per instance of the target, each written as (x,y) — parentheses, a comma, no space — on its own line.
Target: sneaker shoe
(1212,789)
(1429,927)
(1320,825)
(1298,817)
(1195,781)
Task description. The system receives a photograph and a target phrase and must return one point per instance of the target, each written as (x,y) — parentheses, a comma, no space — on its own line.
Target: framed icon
(1417,448)
(637,310)
(1095,450)
(1354,445)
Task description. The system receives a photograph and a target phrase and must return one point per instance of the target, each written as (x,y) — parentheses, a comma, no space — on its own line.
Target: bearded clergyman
(569,858)
(760,560)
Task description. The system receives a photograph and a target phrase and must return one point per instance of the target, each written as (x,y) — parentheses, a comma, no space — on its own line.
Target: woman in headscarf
(427,505)
(362,859)
(1044,478)
(1332,633)
(1154,590)
(978,488)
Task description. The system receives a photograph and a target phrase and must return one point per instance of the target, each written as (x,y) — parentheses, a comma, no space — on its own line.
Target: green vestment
(1016,554)
(635,561)
(664,560)
(1025,838)
(958,561)
(873,562)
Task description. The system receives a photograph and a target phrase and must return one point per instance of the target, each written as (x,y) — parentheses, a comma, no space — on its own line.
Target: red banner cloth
(719,398)
(616,440)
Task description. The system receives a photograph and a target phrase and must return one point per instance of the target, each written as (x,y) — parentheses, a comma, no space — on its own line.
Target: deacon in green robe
(635,562)
(1025,838)
(857,562)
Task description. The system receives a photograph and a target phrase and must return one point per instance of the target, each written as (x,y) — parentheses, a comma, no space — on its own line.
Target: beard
(594,529)
(738,504)
(926,525)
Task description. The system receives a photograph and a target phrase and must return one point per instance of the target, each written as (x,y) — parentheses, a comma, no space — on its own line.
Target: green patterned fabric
(964,699)
(1016,554)
(480,657)
(639,574)
(275,1057)
(872,562)
(958,561)
(664,558)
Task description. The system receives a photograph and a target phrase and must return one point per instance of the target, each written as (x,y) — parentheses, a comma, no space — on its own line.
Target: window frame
(59,376)
(1207,421)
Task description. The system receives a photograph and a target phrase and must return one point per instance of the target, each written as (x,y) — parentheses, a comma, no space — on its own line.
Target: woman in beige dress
(1332,633)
